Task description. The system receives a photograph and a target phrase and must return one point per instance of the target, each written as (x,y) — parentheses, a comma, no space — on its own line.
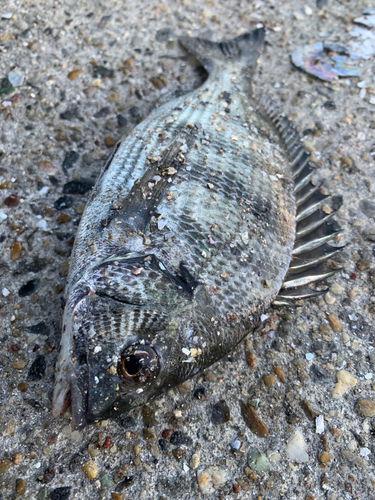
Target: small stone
(344,382)
(347,161)
(17,458)
(335,323)
(63,202)
(19,364)
(251,360)
(4,466)
(16,250)
(70,114)
(12,200)
(336,289)
(252,420)
(78,186)
(324,457)
(149,435)
(279,372)
(79,209)
(297,447)
(269,380)
(122,121)
(107,442)
(37,369)
(45,165)
(194,461)
(179,438)
(72,75)
(9,428)
(22,387)
(220,413)
(211,479)
(90,469)
(63,218)
(330,300)
(71,157)
(345,338)
(353,459)
(16,79)
(109,141)
(102,72)
(117,496)
(6,87)
(365,407)
(93,450)
(20,486)
(257,461)
(363,265)
(148,416)
(61,493)
(28,288)
(236,488)
(167,433)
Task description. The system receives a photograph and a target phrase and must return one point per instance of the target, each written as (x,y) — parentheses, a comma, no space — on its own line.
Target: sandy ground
(92,70)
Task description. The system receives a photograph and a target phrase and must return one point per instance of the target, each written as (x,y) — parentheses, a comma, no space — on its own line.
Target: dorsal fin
(315,227)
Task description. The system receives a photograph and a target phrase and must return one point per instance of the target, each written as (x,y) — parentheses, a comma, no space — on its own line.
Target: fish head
(121,342)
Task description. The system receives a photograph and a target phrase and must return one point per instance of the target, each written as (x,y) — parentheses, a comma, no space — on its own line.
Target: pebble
(363,265)
(45,165)
(63,202)
(63,218)
(78,186)
(336,289)
(345,338)
(90,469)
(297,447)
(19,364)
(79,209)
(365,407)
(309,410)
(194,461)
(319,424)
(252,420)
(28,288)
(72,75)
(13,200)
(16,79)
(39,329)
(148,416)
(149,435)
(16,250)
(269,380)
(179,438)
(251,360)
(324,457)
(122,121)
(279,372)
(70,113)
(21,486)
(117,496)
(107,442)
(5,86)
(93,450)
(330,300)
(17,458)
(109,141)
(3,216)
(353,458)
(335,323)
(37,369)
(71,157)
(220,413)
(211,479)
(345,381)
(4,466)
(257,461)
(61,493)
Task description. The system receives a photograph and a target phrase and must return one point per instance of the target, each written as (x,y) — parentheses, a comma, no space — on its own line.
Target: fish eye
(138,364)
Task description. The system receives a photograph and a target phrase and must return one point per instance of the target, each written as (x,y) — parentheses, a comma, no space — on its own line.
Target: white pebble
(309,356)
(362,93)
(372,100)
(319,423)
(308,10)
(365,452)
(16,79)
(297,447)
(42,224)
(3,216)
(211,479)
(7,15)
(5,292)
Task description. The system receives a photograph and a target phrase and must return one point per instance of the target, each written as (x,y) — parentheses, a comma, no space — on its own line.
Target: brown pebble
(250,473)
(324,457)
(17,458)
(178,453)
(63,218)
(149,435)
(335,323)
(64,268)
(90,469)
(20,486)
(167,433)
(363,265)
(252,420)
(107,442)
(109,141)
(365,407)
(117,496)
(22,386)
(72,75)
(251,360)
(159,82)
(269,380)
(347,161)
(45,165)
(19,364)
(335,431)
(15,251)
(4,466)
(279,372)
(236,488)
(309,497)
(324,329)
(12,200)
(307,408)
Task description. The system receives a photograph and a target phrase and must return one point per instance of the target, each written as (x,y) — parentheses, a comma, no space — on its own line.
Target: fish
(203,217)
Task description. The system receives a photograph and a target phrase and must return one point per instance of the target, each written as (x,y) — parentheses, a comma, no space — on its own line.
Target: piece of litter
(314,60)
(319,424)
(7,15)
(6,103)
(309,356)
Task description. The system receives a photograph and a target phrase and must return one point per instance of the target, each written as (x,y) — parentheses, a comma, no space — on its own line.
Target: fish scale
(187,239)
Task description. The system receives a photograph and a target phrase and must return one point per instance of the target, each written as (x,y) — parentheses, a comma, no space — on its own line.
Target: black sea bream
(187,239)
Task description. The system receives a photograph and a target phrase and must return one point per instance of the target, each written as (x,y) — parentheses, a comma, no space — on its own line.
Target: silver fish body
(185,241)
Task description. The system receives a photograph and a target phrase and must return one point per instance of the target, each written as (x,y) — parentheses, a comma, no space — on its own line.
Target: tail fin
(243,50)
